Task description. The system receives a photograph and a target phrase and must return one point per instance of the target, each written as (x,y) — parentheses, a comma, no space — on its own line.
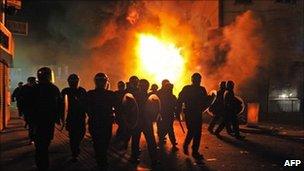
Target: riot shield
(210,100)
(152,108)
(130,111)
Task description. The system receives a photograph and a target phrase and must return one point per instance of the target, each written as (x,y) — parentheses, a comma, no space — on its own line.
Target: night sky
(56,27)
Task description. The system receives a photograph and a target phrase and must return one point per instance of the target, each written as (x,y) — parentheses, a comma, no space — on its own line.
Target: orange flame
(159,59)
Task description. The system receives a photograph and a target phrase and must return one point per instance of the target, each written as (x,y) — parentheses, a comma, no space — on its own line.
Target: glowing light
(283,96)
(158,60)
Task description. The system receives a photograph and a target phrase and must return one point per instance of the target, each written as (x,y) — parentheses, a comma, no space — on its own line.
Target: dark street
(259,151)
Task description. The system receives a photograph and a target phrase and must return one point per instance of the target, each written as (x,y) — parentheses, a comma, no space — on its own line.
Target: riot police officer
(47,109)
(100,104)
(144,125)
(132,85)
(195,99)
(75,121)
(121,130)
(232,107)
(16,97)
(168,109)
(26,93)
(153,89)
(217,108)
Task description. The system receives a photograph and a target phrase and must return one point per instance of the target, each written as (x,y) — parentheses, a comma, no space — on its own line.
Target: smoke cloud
(93,37)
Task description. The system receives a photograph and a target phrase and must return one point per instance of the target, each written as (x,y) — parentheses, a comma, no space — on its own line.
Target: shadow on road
(262,151)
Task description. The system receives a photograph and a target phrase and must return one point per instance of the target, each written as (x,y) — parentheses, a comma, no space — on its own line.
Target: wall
(283,34)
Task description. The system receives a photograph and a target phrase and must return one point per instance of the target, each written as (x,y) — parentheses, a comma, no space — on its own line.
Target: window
(242,1)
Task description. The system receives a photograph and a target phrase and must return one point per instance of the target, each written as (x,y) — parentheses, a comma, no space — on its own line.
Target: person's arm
(179,103)
(14,95)
(175,104)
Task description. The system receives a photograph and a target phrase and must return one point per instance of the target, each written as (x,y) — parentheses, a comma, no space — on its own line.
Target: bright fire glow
(158,60)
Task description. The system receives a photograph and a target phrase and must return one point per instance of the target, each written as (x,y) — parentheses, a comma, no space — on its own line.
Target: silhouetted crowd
(132,107)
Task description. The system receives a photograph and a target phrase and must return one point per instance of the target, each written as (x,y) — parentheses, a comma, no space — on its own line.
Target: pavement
(265,148)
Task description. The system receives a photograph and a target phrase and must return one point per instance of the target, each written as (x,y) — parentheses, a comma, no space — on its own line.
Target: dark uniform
(121,130)
(168,109)
(217,108)
(195,99)
(144,125)
(16,97)
(47,110)
(100,104)
(26,93)
(232,107)
(75,121)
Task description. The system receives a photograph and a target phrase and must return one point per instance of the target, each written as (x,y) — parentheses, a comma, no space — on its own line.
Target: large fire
(159,59)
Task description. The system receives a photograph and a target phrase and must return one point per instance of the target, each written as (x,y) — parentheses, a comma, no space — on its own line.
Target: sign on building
(14,3)
(17,27)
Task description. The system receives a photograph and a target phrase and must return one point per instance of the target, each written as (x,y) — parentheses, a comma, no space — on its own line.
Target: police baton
(62,127)
(181,125)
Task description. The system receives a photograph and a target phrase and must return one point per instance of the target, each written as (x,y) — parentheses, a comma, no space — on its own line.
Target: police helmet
(73,77)
(44,74)
(223,85)
(230,85)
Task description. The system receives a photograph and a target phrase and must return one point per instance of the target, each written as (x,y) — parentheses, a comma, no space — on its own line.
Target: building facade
(6,57)
(282,24)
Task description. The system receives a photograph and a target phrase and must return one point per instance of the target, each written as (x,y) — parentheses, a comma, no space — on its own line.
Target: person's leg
(236,129)
(42,142)
(101,139)
(151,143)
(229,125)
(74,142)
(171,133)
(213,122)
(189,136)
(161,130)
(197,134)
(221,126)
(19,109)
(135,143)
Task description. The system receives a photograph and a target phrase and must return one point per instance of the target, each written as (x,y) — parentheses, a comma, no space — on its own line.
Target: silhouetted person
(120,92)
(232,107)
(144,125)
(153,89)
(47,109)
(132,85)
(100,104)
(217,108)
(195,99)
(16,97)
(168,110)
(75,119)
(26,100)
(162,91)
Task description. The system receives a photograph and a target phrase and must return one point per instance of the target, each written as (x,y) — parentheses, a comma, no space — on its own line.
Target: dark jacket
(100,104)
(26,101)
(217,108)
(48,103)
(76,105)
(168,104)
